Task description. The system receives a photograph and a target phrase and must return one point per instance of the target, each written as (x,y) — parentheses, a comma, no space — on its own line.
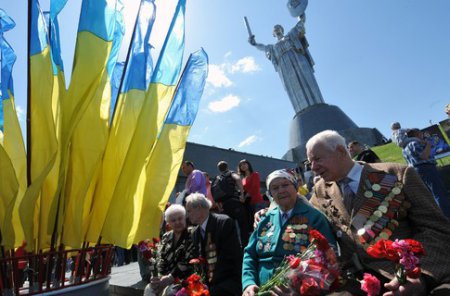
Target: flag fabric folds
(12,155)
(90,135)
(164,163)
(136,80)
(43,108)
(126,202)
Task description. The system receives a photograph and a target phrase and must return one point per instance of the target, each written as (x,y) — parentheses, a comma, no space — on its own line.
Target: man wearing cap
(271,242)
(368,202)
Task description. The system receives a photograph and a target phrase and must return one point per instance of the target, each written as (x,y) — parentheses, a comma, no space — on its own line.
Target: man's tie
(284,217)
(203,232)
(347,193)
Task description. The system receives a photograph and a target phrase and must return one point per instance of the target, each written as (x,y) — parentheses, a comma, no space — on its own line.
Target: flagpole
(28,145)
(125,66)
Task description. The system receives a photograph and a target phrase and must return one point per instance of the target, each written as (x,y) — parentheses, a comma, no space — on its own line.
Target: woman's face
(243,166)
(177,221)
(284,193)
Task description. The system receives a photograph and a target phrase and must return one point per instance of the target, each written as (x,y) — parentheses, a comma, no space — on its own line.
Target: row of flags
(103,155)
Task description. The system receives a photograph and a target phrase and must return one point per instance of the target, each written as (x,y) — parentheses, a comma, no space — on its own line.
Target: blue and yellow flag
(127,201)
(164,163)
(136,80)
(90,135)
(12,156)
(47,196)
(46,86)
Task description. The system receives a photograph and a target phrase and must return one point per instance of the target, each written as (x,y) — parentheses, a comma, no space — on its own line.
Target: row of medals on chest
(378,217)
(294,236)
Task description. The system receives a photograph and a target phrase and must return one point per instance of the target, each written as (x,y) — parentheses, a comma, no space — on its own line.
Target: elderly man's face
(177,221)
(284,193)
(327,163)
(195,215)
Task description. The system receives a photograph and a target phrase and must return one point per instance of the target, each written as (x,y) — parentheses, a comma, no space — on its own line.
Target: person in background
(175,250)
(251,183)
(195,181)
(228,193)
(209,195)
(398,134)
(268,244)
(358,153)
(417,153)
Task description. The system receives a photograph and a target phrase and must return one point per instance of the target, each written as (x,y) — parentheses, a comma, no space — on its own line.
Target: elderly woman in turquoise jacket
(282,232)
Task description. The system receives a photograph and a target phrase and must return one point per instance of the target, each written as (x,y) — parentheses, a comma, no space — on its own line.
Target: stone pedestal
(320,117)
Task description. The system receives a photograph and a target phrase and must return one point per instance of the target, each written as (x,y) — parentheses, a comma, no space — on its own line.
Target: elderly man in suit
(383,200)
(218,242)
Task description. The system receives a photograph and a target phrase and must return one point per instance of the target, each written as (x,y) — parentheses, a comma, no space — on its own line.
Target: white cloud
(217,77)
(20,113)
(245,65)
(248,141)
(228,54)
(225,104)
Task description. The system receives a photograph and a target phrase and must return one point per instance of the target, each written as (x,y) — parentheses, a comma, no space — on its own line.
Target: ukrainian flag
(127,201)
(46,211)
(164,163)
(12,150)
(90,135)
(136,80)
(42,130)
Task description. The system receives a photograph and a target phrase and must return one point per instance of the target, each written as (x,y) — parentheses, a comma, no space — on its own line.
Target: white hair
(174,209)
(198,200)
(328,138)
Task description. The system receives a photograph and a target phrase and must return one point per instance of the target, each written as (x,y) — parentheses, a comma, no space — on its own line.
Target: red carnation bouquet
(149,250)
(193,285)
(312,272)
(405,253)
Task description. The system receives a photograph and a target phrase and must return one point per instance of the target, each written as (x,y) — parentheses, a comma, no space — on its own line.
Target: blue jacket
(271,242)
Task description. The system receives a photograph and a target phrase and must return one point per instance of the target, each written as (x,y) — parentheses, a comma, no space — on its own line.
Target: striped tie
(347,193)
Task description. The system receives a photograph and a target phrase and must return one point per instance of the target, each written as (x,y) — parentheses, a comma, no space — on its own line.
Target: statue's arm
(259,46)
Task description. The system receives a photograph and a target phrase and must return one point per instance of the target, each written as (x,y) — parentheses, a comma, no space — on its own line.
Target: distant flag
(43,143)
(164,163)
(12,157)
(136,80)
(126,201)
(90,134)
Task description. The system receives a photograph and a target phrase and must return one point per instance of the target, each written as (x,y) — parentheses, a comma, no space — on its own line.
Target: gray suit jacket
(423,222)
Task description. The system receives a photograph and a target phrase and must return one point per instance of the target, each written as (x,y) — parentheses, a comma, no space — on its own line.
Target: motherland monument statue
(293,62)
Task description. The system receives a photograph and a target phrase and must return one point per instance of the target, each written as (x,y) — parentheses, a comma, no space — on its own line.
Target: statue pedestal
(320,117)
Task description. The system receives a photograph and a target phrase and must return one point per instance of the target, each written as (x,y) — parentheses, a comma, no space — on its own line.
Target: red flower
(309,287)
(294,263)
(147,254)
(414,273)
(383,249)
(155,240)
(416,247)
(371,285)
(194,261)
(320,241)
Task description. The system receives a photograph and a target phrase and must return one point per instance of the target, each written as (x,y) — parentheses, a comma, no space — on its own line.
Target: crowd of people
(354,201)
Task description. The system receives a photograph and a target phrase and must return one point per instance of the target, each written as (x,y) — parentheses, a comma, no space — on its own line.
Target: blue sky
(379,61)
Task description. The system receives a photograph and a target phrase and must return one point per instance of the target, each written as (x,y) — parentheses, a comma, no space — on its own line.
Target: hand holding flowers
(405,254)
(312,272)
